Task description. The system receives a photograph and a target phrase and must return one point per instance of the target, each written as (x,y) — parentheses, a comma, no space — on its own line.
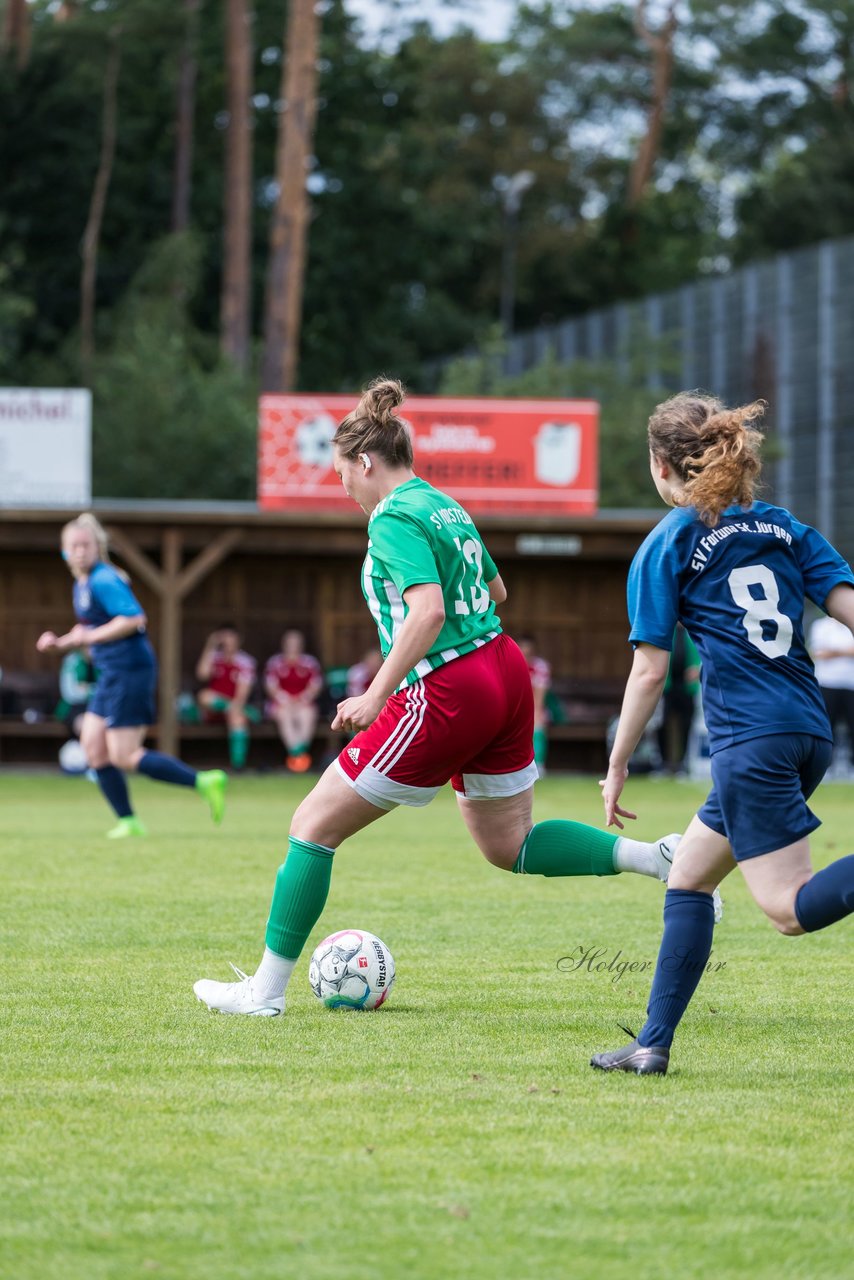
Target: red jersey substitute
(540,673)
(226,672)
(292,675)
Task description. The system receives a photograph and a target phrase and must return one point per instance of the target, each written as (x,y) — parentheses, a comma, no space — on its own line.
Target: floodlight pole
(513,192)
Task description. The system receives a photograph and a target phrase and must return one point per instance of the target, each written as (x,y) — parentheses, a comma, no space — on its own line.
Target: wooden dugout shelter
(195,566)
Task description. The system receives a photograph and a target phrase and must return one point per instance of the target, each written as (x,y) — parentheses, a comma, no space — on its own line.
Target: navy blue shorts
(760,790)
(125,699)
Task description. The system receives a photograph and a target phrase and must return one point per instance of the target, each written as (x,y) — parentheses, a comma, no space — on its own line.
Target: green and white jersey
(418,535)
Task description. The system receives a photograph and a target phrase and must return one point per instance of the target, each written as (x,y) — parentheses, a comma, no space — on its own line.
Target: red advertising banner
(511,456)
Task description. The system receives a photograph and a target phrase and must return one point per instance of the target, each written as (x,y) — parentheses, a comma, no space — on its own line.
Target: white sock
(637,855)
(272,975)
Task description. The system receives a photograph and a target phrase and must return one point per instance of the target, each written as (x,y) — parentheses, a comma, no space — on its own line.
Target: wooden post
(170,642)
(207,560)
(176,584)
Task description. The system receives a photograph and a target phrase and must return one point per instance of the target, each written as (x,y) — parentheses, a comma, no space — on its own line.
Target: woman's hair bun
(382,397)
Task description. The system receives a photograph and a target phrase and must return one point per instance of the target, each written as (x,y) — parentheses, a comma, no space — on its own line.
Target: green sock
(238,747)
(541,743)
(559,848)
(302,884)
(218,703)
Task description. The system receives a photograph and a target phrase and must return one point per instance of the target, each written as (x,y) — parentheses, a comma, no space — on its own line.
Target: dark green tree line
(660,142)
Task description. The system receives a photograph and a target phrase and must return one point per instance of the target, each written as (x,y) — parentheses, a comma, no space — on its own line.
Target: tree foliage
(417,138)
(626,403)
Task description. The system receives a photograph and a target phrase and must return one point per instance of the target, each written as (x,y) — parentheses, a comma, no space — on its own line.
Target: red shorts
(470,722)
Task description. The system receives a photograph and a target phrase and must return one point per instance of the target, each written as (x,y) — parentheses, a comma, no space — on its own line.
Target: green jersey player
(451,702)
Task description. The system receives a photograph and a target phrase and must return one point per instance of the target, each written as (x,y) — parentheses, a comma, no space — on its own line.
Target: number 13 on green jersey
(419,535)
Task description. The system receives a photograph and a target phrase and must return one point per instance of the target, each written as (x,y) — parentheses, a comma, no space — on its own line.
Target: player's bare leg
(329,814)
(94,738)
(703,859)
(125,746)
(332,811)
(816,899)
(296,723)
(503,829)
(499,825)
(128,753)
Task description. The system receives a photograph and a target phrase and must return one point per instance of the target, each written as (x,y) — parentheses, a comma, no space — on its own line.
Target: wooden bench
(587,706)
(575,742)
(38,741)
(208,740)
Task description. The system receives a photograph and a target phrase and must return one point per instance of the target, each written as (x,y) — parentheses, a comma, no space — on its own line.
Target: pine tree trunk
(237,246)
(289,224)
(184,112)
(661,45)
(92,232)
(16,31)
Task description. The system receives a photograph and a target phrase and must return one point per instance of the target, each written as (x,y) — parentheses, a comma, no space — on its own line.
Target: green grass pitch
(457,1132)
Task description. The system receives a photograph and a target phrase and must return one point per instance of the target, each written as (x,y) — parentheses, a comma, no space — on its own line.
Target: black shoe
(635,1058)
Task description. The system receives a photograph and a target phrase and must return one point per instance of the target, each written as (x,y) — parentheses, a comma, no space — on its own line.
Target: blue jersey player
(111,623)
(736,573)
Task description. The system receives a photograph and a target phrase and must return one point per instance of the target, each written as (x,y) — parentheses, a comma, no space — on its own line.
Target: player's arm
(840,604)
(422,624)
(242,688)
(118,628)
(272,689)
(312,690)
(643,690)
(270,682)
(47,642)
(204,666)
(497,590)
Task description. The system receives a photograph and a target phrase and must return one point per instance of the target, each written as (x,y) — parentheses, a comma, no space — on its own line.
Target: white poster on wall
(45,447)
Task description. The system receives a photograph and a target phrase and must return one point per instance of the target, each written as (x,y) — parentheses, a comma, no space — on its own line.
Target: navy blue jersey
(103,596)
(739,590)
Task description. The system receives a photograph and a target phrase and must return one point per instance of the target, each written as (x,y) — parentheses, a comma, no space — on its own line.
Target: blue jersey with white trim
(105,595)
(739,590)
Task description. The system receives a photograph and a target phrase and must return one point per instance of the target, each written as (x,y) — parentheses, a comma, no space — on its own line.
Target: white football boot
(666,850)
(237,997)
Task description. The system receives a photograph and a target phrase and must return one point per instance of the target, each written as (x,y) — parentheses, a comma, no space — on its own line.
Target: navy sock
(689,922)
(112,783)
(166,769)
(827,897)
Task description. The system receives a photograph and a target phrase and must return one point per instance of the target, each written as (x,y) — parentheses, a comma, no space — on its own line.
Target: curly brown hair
(713,450)
(374,427)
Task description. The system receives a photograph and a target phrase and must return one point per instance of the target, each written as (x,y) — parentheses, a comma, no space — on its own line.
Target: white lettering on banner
(548,544)
(454,438)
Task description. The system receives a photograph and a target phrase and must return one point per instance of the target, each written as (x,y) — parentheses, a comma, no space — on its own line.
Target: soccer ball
(72,757)
(351,970)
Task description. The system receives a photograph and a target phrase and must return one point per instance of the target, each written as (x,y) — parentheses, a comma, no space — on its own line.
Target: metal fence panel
(782,329)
